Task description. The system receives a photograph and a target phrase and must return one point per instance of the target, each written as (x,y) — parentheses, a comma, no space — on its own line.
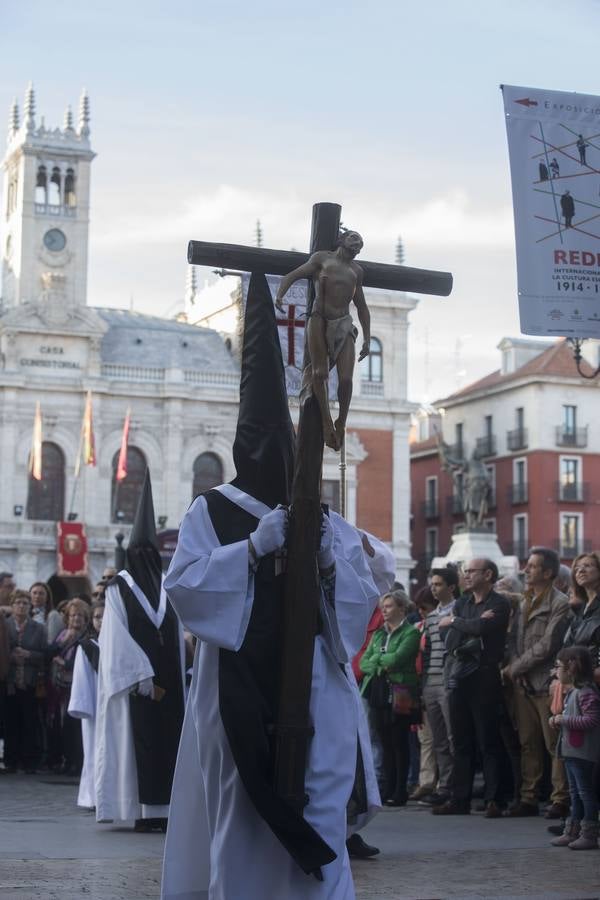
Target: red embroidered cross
(291,322)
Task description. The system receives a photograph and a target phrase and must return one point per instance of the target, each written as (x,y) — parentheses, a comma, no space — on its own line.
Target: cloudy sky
(209,115)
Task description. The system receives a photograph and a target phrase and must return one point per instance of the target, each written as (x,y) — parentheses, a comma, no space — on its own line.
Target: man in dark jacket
(475,634)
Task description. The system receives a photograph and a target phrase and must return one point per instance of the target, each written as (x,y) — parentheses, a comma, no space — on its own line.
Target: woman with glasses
(584,629)
(82,704)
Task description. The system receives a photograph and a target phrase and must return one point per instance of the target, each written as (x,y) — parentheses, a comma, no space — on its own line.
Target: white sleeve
(82,702)
(211,587)
(382,564)
(123,663)
(355,591)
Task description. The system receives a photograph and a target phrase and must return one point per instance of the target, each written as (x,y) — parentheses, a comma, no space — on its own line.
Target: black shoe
(556,811)
(358,849)
(396,801)
(521,810)
(435,800)
(492,810)
(452,808)
(556,829)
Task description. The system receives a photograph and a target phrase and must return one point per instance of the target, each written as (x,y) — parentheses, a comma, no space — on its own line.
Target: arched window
(208,472)
(54,187)
(70,198)
(125,494)
(372,365)
(46,498)
(41,185)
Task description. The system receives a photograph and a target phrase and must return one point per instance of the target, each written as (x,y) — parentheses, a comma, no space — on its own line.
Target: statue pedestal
(482,544)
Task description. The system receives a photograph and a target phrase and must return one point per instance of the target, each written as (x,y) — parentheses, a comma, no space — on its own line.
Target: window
(458,440)
(330,494)
(208,473)
(570,487)
(520,418)
(520,538)
(46,498)
(491,470)
(125,494)
(519,485)
(571,534)
(570,419)
(431,544)
(41,186)
(488,427)
(70,199)
(54,187)
(431,496)
(372,365)
(490,525)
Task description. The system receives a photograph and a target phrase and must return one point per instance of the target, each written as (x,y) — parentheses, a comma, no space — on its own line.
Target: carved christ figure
(330,332)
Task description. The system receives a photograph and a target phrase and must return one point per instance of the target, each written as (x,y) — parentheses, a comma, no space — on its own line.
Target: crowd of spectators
(497,678)
(38,646)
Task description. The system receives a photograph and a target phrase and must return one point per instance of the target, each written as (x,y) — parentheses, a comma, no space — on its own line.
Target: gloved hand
(271,532)
(326,556)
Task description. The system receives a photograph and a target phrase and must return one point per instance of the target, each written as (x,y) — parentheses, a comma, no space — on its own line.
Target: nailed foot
(340,433)
(331,438)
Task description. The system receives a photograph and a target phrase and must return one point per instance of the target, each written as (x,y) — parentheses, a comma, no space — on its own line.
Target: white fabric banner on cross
(554,150)
(291,326)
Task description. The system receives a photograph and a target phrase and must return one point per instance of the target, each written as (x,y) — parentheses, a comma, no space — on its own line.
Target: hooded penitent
(142,558)
(263,450)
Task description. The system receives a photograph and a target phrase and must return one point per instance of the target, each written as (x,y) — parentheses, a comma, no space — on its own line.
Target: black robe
(156,725)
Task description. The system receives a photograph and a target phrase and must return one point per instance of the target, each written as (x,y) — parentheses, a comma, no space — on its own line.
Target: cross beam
(280,262)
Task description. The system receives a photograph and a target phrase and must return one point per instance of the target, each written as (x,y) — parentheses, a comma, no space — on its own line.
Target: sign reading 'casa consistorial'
(51,357)
(554,149)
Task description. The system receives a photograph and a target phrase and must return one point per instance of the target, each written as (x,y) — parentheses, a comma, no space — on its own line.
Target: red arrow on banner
(527,102)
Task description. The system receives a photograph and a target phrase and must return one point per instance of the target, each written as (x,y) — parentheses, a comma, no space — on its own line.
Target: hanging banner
(71,547)
(554,150)
(291,325)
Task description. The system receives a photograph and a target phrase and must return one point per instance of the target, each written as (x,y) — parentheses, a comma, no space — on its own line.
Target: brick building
(534,422)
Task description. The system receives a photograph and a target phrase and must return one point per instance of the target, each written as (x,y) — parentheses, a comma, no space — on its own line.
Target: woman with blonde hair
(584,630)
(65,752)
(42,609)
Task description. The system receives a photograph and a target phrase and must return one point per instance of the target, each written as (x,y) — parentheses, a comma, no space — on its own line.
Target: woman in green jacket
(392,651)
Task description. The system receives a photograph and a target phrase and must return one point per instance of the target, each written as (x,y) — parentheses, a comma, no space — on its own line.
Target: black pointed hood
(263,450)
(142,557)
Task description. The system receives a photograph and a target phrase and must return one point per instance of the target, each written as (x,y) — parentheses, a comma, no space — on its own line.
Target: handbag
(378,692)
(404,699)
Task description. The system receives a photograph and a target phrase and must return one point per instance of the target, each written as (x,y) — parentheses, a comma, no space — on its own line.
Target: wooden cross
(292,323)
(303,585)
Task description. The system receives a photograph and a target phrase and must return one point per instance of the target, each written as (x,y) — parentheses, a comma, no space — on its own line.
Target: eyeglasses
(471,571)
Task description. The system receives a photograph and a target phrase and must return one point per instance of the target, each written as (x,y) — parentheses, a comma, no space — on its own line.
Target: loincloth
(336,332)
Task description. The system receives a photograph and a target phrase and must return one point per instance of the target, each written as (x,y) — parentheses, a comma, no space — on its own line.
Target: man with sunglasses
(475,635)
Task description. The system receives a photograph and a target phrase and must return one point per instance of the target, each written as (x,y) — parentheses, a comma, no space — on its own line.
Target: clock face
(55,240)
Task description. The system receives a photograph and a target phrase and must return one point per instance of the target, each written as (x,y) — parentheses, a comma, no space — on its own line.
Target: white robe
(218,847)
(123,666)
(82,705)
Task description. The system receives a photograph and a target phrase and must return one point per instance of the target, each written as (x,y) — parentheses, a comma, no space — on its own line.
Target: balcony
(571,550)
(454,505)
(430,508)
(518,493)
(55,209)
(371,388)
(571,437)
(572,492)
(518,548)
(517,439)
(457,451)
(485,446)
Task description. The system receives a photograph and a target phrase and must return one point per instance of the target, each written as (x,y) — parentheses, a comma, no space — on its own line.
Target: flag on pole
(87,441)
(35,456)
(122,463)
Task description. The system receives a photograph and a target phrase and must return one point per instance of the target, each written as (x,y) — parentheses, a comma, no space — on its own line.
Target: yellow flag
(35,456)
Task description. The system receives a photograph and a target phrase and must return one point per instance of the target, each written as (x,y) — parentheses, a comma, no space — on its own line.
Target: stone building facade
(179,378)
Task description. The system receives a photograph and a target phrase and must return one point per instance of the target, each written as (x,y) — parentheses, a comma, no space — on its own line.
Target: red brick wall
(374,488)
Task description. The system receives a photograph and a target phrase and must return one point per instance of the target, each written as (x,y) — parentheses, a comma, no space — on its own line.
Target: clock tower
(45,211)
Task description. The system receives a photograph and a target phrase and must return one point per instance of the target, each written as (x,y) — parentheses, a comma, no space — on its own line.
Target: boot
(570,833)
(588,839)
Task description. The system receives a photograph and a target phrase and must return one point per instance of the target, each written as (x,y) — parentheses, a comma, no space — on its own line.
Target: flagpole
(342,467)
(77,471)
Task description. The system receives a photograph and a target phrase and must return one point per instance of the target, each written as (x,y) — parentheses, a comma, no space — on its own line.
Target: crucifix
(293,729)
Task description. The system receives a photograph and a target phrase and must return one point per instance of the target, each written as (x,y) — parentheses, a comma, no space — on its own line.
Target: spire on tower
(84,113)
(399,251)
(259,234)
(29,109)
(191,286)
(68,120)
(13,118)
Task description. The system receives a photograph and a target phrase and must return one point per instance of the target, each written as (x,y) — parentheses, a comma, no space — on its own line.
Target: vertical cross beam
(302,587)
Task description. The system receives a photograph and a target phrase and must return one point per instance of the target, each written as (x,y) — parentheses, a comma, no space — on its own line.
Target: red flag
(35,455)
(122,464)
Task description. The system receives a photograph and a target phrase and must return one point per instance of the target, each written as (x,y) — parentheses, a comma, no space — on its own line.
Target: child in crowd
(579,746)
